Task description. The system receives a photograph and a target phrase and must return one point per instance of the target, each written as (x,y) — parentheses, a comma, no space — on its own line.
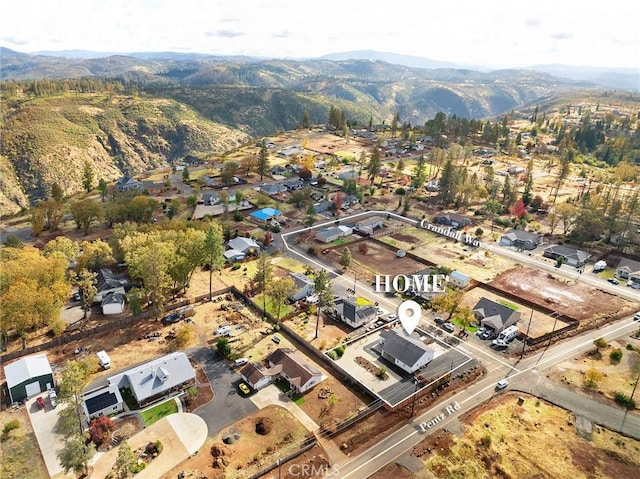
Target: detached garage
(28,377)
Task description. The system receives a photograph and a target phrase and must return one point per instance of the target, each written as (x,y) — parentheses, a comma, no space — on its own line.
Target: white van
(224,330)
(241,361)
(506,335)
(103,359)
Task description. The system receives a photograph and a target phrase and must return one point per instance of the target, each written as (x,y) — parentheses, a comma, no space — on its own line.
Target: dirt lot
(571,298)
(503,440)
(620,377)
(21,458)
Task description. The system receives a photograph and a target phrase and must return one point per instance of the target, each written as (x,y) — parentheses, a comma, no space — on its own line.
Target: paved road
(525,373)
(228,406)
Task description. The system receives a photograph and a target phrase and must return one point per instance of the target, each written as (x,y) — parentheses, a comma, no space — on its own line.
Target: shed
(113,303)
(28,377)
(459,279)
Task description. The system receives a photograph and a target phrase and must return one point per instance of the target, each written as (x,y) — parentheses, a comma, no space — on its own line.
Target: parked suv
(448,327)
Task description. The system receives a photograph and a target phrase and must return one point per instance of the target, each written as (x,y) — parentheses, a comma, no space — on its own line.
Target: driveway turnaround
(181,435)
(227,406)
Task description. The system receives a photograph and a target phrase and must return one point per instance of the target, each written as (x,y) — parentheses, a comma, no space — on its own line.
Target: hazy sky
(495,33)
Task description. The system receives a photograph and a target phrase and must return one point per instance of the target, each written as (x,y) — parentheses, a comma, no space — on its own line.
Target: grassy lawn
(508,305)
(158,412)
(285,387)
(607,273)
(363,302)
(289,264)
(284,310)
(471,329)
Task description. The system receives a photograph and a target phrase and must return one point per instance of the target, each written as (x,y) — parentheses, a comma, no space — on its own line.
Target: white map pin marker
(409,313)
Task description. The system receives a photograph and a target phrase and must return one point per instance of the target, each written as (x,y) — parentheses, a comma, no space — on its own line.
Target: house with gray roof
(283,363)
(156,378)
(109,282)
(521,239)
(322,206)
(327,235)
(127,183)
(273,189)
(350,312)
(454,220)
(407,352)
(244,245)
(494,315)
(571,256)
(628,269)
(369,225)
(304,286)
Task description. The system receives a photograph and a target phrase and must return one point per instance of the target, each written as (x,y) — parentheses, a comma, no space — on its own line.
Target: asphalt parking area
(229,405)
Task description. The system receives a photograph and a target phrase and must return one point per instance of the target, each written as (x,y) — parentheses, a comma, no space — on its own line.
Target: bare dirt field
(21,458)
(573,299)
(377,260)
(503,439)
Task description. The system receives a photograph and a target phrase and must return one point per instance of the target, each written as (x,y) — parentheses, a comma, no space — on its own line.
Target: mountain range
(170,105)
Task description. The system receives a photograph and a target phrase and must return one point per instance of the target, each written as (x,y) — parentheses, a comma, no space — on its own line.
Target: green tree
(103,188)
(374,166)
(280,291)
(263,275)
(213,250)
(13,241)
(95,255)
(124,462)
(173,208)
(419,173)
(87,177)
(310,215)
(74,454)
(345,258)
(263,160)
(323,289)
(223,347)
(186,176)
(228,172)
(84,213)
(306,120)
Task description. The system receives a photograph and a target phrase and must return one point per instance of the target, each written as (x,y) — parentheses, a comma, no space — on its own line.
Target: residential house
(210,197)
(153,187)
(283,363)
(521,239)
(322,206)
(233,255)
(350,312)
(109,282)
(571,256)
(277,170)
(348,175)
(244,245)
(407,352)
(266,215)
(103,402)
(368,226)
(304,286)
(327,235)
(126,183)
(28,377)
(156,378)
(494,315)
(628,269)
(454,220)
(459,280)
(113,303)
(293,184)
(515,170)
(273,189)
(191,161)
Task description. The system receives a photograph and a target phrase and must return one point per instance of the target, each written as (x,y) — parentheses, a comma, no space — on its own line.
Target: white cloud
(497,33)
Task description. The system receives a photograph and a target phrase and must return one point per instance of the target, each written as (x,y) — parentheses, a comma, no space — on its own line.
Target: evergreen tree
(263,160)
(375,165)
(323,289)
(87,177)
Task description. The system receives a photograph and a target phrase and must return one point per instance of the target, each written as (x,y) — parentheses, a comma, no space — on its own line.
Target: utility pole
(524,343)
(415,395)
(626,410)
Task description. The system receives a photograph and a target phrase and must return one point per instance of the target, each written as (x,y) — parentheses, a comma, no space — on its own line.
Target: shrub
(236,266)
(100,429)
(382,372)
(332,355)
(340,350)
(629,346)
(237,216)
(624,400)
(158,446)
(615,356)
(311,250)
(600,343)
(139,466)
(400,191)
(486,441)
(10,426)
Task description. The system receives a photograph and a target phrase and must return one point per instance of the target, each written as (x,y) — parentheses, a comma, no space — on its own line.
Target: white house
(103,402)
(459,279)
(406,352)
(327,235)
(113,303)
(244,245)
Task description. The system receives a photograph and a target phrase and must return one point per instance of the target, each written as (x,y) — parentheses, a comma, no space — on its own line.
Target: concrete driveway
(44,422)
(271,395)
(228,406)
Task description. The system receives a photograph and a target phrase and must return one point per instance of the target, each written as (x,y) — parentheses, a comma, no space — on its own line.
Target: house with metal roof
(157,378)
(407,352)
(459,280)
(28,377)
(494,315)
(327,235)
(283,363)
(304,286)
(244,245)
(368,225)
